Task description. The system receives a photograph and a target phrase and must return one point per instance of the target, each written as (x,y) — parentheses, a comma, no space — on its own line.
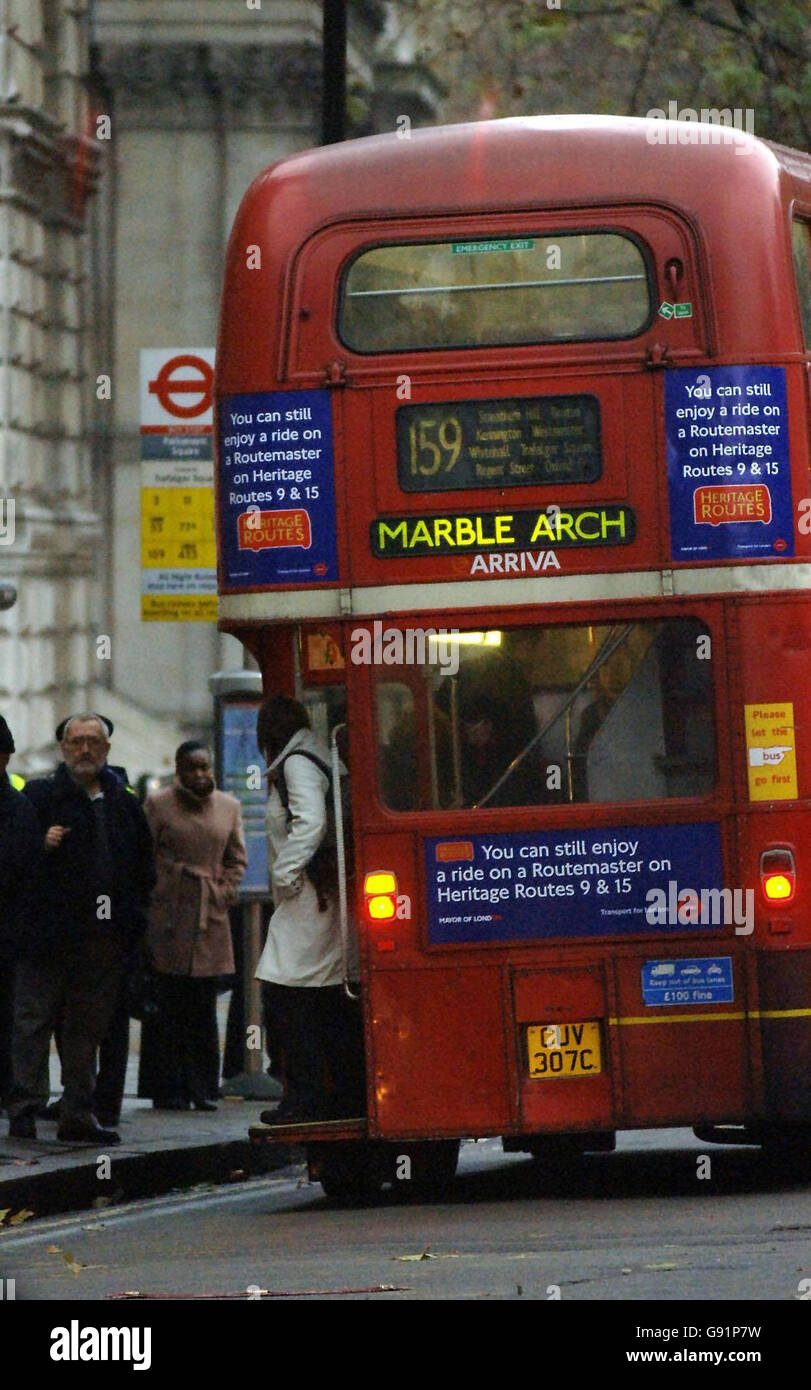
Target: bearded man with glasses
(91,895)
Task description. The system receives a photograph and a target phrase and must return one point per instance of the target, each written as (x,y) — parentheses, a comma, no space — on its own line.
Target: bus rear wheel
(426,1168)
(553,1149)
(787,1144)
(347,1172)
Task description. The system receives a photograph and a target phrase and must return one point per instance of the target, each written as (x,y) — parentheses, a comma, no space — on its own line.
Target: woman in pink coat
(200,858)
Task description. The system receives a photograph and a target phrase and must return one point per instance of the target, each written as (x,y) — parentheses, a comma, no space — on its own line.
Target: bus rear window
(582,713)
(575,286)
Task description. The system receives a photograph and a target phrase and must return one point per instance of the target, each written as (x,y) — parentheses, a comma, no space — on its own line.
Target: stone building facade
(50,166)
(116,231)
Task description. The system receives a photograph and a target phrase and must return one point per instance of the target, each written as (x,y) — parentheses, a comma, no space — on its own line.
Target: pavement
(160,1151)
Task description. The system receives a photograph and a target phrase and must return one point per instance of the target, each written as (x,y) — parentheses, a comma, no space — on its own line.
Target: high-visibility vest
(18,783)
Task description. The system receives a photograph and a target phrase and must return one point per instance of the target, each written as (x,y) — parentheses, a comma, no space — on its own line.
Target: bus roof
(529,161)
(724,181)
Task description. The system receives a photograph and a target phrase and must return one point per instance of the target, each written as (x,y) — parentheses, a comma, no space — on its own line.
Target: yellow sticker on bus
(770,755)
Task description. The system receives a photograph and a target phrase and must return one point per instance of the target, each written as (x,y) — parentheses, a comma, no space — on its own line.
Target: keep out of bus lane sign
(699,980)
(729,481)
(276,493)
(576,883)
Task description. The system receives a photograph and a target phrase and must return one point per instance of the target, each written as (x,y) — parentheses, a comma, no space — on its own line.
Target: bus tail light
(778,875)
(380,893)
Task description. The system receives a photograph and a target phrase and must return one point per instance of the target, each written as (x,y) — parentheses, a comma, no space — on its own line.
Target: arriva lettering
(515,562)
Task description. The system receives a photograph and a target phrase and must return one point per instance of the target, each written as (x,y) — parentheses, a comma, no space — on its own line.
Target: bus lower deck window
(584,713)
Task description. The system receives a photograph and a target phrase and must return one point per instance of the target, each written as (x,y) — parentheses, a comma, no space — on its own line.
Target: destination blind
(509,442)
(600,524)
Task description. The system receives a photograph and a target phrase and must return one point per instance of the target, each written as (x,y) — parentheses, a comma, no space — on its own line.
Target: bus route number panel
(509,442)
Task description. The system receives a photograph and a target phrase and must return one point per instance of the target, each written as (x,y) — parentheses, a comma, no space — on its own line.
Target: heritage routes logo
(749,502)
(273,530)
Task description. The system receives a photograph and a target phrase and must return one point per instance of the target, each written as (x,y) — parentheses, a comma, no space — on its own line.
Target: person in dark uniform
(90,903)
(19,851)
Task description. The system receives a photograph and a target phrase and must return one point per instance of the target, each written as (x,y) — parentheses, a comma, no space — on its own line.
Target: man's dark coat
(67,888)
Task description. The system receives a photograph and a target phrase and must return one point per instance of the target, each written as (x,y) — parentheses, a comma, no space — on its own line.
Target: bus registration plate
(558,1050)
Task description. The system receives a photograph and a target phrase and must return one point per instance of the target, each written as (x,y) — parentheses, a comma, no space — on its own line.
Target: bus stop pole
(237,695)
(252,1082)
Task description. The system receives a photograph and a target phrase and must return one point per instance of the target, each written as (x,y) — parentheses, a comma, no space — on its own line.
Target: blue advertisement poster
(540,884)
(728,473)
(707,980)
(277,489)
(243,775)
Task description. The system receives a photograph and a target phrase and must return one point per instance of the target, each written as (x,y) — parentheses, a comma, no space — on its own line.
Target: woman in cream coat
(317,1026)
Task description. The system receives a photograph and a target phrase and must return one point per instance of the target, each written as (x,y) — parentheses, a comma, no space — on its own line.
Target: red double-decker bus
(513,457)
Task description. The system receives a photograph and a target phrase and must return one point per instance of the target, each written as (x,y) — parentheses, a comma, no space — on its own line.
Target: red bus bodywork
(446,1023)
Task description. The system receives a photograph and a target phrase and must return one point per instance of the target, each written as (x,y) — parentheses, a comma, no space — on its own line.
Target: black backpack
(322,869)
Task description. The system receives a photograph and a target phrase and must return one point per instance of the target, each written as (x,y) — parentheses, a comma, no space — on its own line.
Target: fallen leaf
(73,1265)
(3,1214)
(20,1216)
(54,1250)
(426,1255)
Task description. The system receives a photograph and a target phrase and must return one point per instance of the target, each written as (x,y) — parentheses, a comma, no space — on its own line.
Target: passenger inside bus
(535,716)
(497,722)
